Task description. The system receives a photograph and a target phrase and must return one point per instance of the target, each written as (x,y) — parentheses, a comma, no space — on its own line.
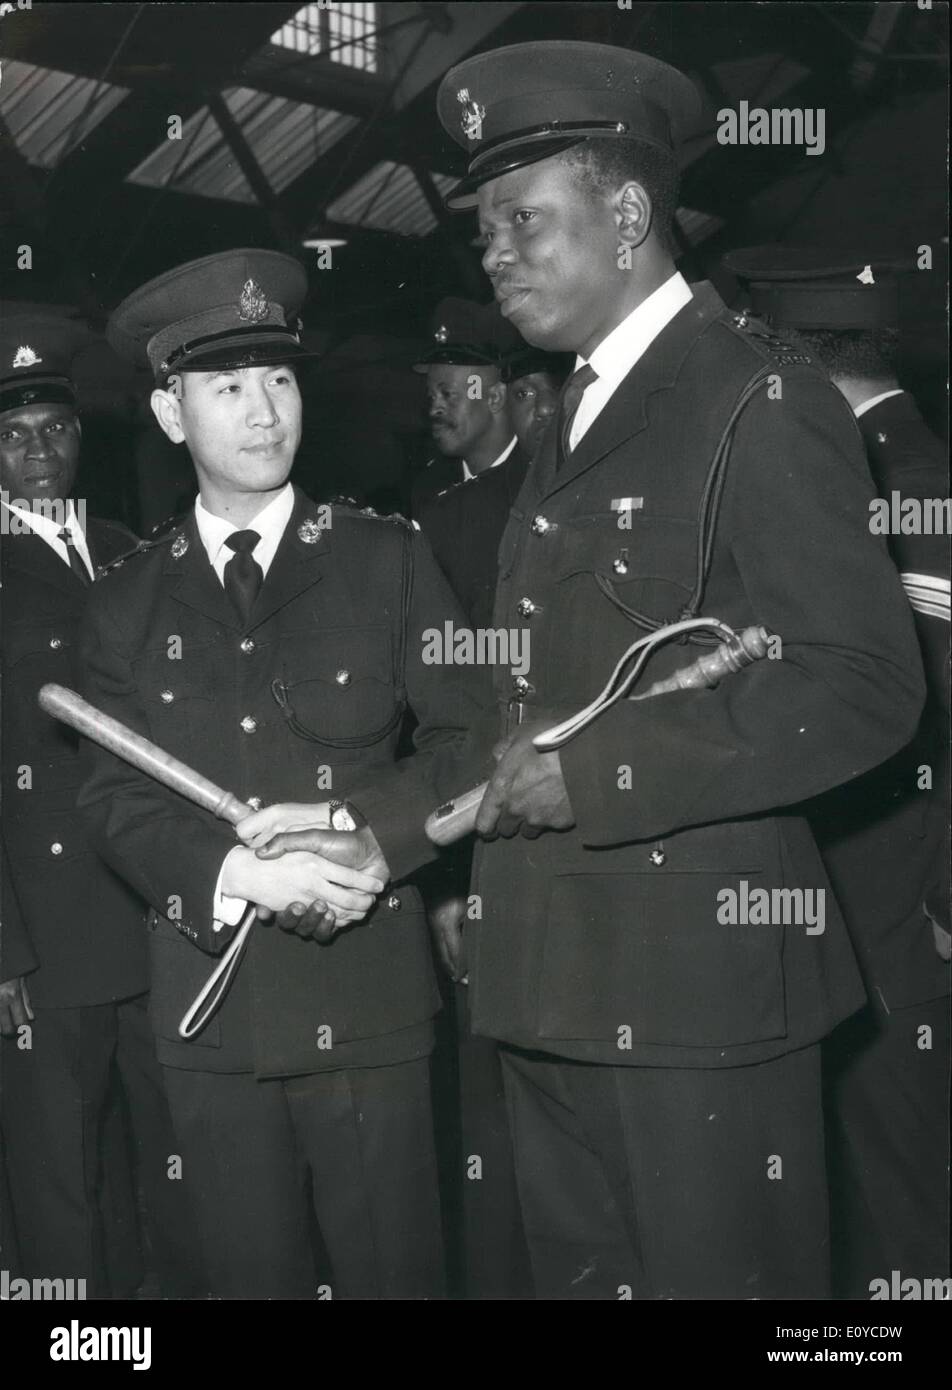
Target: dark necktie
(73,558)
(571,398)
(243,573)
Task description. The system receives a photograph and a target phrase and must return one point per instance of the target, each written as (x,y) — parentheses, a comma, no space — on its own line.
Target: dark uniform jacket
(612,926)
(67,918)
(464,526)
(885,837)
(338,624)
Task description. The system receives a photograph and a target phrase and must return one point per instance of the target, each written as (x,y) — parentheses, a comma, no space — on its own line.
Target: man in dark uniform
(464,525)
(661,1055)
(275,645)
(73,972)
(534,380)
(466,400)
(884,836)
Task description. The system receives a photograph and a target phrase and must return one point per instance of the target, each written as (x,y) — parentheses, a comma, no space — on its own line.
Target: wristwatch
(344,816)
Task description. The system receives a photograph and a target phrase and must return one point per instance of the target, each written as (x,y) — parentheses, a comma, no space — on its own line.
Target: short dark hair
(859,352)
(603,163)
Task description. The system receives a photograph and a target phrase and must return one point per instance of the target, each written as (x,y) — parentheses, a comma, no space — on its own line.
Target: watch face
(341,818)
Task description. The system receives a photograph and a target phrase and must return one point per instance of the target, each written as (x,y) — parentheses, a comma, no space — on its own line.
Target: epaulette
(139,549)
(781,352)
(349,505)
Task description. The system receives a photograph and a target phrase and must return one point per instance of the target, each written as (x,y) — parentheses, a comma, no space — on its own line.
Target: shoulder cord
(708,513)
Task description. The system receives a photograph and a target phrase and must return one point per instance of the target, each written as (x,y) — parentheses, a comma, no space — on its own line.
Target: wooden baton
(456,818)
(72,709)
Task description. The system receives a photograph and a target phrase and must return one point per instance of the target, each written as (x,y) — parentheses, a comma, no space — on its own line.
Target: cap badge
(442,334)
(472,118)
(179,546)
(252,303)
(865,277)
(26,357)
(309,532)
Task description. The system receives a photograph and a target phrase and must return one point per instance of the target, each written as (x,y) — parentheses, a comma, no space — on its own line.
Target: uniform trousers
(496,1262)
(352,1148)
(673,1183)
(887,1098)
(64,1143)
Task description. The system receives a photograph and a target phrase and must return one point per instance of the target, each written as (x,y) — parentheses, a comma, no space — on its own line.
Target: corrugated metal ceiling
(47,111)
(388,197)
(285,138)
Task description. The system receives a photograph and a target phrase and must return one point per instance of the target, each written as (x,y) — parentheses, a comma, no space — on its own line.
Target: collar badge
(252,303)
(471,119)
(26,357)
(309,532)
(179,546)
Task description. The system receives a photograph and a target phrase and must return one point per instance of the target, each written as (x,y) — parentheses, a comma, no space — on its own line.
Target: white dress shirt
(48,530)
(468,472)
(271,524)
(875,400)
(615,355)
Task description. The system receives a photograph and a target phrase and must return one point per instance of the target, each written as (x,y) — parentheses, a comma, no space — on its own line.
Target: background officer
(276,648)
(534,380)
(659,1063)
(464,525)
(466,400)
(73,968)
(884,836)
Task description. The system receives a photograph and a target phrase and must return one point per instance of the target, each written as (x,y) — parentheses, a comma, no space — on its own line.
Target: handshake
(312,878)
(316,879)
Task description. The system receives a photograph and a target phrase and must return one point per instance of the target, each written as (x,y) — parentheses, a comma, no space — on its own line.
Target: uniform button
(166,697)
(394,903)
(342,678)
(525,608)
(56,847)
(620,566)
(521,687)
(540,525)
(247,645)
(657,857)
(248,724)
(56,643)
(880,439)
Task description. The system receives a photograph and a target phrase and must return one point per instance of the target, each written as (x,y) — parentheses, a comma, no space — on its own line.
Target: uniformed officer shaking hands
(662,1066)
(275,648)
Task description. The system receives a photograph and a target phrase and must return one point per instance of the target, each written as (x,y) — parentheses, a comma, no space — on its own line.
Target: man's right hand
(446,923)
(354,851)
(15,1007)
(277,880)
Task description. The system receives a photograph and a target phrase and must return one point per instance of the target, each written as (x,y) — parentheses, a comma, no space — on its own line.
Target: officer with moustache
(467,404)
(884,836)
(662,1064)
(276,646)
(73,968)
(468,385)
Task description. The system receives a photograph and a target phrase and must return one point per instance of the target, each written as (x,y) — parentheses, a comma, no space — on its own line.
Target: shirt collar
(270,523)
(45,526)
(468,472)
(615,355)
(875,400)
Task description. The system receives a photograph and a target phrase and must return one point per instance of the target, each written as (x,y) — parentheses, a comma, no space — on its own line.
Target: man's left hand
(527,791)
